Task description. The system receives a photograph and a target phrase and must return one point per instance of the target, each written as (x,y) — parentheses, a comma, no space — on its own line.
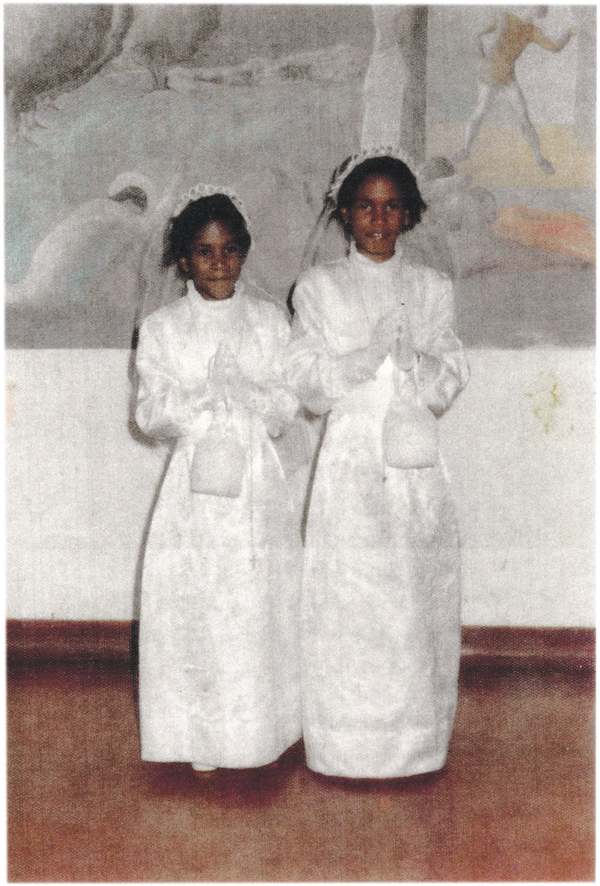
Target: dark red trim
(69,640)
(562,648)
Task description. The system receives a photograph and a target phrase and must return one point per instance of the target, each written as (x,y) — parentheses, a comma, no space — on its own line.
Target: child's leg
(486,93)
(527,128)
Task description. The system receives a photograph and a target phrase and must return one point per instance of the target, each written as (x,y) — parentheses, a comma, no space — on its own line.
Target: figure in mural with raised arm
(219,683)
(512,35)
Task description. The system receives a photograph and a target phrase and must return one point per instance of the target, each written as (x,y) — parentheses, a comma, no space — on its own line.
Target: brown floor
(515,801)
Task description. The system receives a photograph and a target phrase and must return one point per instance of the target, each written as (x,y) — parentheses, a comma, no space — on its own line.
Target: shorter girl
(376,353)
(218,653)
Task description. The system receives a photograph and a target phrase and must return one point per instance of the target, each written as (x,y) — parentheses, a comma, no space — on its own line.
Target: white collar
(215,304)
(364,261)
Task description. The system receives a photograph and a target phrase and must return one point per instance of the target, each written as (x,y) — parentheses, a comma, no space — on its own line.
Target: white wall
(518,443)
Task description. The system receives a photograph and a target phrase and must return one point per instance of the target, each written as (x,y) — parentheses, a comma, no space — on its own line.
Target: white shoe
(202,767)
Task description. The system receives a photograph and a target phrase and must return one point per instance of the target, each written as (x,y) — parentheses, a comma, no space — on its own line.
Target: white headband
(202,190)
(344,169)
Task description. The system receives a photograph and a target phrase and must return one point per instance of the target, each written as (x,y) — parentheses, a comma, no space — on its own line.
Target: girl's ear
(406,218)
(344,214)
(184,265)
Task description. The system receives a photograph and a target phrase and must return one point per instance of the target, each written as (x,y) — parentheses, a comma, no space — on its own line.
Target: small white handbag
(219,458)
(410,435)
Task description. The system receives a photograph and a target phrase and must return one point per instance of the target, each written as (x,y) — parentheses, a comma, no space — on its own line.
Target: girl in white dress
(375,352)
(219,683)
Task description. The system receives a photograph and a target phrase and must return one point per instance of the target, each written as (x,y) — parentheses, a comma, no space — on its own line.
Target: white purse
(219,459)
(410,435)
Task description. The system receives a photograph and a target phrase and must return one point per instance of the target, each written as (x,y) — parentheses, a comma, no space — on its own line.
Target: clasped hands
(390,336)
(227,383)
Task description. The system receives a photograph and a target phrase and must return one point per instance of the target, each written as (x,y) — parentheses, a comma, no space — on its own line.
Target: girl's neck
(208,299)
(376,260)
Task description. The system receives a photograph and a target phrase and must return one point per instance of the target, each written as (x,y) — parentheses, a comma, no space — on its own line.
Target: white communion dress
(381,587)
(219,680)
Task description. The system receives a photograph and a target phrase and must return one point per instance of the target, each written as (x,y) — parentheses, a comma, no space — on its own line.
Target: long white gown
(381,594)
(219,681)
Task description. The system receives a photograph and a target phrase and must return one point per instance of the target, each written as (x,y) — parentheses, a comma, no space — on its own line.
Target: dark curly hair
(392,168)
(186,226)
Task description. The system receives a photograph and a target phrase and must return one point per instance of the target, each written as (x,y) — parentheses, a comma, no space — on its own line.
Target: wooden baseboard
(70,641)
(565,649)
(568,649)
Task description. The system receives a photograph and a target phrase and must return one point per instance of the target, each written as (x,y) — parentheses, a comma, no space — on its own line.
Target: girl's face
(376,217)
(215,262)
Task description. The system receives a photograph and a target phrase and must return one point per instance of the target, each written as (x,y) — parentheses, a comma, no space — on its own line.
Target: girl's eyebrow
(204,243)
(369,201)
(227,243)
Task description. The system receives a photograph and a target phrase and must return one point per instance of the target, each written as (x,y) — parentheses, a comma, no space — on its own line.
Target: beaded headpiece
(344,169)
(202,190)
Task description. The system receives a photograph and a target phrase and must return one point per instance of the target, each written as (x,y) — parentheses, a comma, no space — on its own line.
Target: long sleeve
(318,376)
(271,400)
(442,370)
(259,387)
(166,406)
(277,404)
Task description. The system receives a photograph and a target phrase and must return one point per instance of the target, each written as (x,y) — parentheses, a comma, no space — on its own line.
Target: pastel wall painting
(113,111)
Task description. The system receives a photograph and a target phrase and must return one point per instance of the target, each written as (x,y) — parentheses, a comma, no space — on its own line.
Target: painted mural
(113,111)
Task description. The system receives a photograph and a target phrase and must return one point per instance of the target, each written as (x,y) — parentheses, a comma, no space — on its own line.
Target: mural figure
(50,50)
(333,65)
(455,235)
(161,36)
(54,49)
(109,231)
(465,232)
(87,273)
(512,35)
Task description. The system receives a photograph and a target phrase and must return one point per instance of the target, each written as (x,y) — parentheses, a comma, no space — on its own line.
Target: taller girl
(376,352)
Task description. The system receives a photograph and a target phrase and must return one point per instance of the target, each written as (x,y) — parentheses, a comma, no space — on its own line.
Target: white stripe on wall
(519,444)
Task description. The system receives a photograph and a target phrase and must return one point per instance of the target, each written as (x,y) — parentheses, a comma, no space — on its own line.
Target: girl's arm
(442,370)
(318,376)
(268,397)
(275,401)
(165,407)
